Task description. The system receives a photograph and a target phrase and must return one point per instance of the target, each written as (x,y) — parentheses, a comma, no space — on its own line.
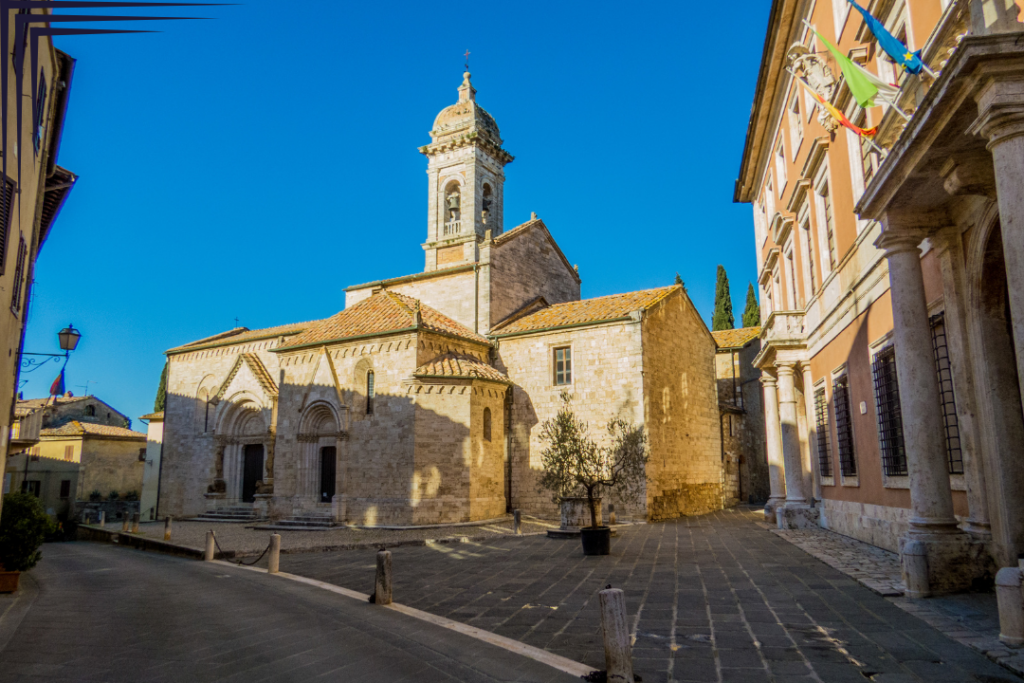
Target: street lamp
(68,340)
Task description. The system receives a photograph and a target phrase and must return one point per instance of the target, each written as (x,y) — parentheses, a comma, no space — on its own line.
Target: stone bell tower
(466,176)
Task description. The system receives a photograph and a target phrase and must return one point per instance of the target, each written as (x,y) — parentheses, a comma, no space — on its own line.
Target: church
(421,402)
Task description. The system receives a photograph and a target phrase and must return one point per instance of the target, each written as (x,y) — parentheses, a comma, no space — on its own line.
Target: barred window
(890,421)
(19,277)
(821,420)
(949,418)
(844,428)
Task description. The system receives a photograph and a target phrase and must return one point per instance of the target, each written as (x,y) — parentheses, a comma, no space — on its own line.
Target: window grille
(821,420)
(563,365)
(6,213)
(949,419)
(19,277)
(844,428)
(890,421)
(370,393)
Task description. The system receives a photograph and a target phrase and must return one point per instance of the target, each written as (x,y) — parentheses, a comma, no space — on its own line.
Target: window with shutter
(6,213)
(19,277)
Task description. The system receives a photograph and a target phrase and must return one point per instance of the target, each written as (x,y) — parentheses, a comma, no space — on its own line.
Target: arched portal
(243,440)
(320,477)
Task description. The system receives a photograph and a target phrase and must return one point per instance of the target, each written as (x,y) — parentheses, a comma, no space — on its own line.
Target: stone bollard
(516,522)
(382,586)
(274,559)
(210,546)
(125,522)
(1011,606)
(612,519)
(167,528)
(135,522)
(103,517)
(915,569)
(618,660)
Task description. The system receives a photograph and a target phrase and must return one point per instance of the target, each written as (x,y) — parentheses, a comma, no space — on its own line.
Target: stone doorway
(252,470)
(328,473)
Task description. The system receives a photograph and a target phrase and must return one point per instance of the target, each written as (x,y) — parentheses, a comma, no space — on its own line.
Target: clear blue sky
(255,165)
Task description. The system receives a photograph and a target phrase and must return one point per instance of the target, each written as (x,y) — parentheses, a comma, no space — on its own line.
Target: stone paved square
(714,598)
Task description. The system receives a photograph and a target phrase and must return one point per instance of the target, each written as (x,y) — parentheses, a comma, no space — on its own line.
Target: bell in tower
(466,175)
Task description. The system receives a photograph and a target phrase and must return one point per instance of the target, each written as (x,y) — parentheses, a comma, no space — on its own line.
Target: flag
(838,115)
(911,61)
(886,91)
(861,87)
(57,388)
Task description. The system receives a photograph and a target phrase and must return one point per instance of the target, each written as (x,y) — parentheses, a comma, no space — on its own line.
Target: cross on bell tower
(466,175)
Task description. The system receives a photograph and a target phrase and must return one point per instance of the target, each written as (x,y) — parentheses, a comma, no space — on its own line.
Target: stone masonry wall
(746,466)
(452,295)
(681,411)
(523,268)
(606,384)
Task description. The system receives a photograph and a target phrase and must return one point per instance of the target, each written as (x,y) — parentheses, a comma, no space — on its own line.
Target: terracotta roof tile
(457,365)
(586,311)
(159,415)
(243,334)
(734,339)
(382,313)
(76,428)
(30,405)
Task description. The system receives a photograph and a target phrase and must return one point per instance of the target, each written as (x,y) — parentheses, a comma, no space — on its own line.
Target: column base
(798,516)
(935,564)
(770,507)
(261,504)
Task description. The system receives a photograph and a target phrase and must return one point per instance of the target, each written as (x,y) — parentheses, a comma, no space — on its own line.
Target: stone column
(773,446)
(812,430)
(931,500)
(795,492)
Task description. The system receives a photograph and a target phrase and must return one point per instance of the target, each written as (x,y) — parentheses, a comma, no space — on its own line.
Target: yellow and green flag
(864,86)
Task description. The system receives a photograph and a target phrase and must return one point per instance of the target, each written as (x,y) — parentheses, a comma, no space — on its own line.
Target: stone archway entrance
(252,470)
(1001,416)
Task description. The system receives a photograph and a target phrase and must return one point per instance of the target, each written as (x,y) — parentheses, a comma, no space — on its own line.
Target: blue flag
(911,61)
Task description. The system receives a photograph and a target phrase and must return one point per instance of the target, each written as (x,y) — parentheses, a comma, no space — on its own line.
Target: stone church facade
(421,402)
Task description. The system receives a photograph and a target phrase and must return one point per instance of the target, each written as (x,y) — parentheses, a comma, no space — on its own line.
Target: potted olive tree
(574,463)
(23,527)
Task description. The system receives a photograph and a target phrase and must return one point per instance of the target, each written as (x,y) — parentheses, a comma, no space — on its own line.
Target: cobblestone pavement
(104,613)
(711,599)
(971,619)
(252,541)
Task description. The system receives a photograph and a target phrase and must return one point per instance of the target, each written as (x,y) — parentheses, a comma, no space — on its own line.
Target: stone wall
(742,429)
(110,465)
(525,266)
(606,384)
(879,525)
(680,411)
(453,295)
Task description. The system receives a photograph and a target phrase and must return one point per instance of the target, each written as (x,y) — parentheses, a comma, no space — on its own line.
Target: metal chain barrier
(247,564)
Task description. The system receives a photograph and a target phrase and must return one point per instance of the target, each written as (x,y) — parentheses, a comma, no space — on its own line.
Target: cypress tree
(679,281)
(752,313)
(723,318)
(161,392)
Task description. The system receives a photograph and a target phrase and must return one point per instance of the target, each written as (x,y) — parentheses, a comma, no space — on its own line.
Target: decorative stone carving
(815,71)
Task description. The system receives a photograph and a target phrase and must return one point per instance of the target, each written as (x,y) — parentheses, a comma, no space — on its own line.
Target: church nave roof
(243,334)
(584,312)
(383,313)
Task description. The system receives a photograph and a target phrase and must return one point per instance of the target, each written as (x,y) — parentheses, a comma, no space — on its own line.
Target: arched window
(369,392)
(487,424)
(488,200)
(452,209)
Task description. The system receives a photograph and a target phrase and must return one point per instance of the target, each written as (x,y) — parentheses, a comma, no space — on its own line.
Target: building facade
(32,192)
(891,287)
(421,402)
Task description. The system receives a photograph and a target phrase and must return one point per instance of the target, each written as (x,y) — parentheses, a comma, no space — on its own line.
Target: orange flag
(838,115)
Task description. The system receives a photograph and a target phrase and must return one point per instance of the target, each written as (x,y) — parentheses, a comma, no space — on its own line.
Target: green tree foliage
(161,392)
(574,464)
(679,281)
(723,318)
(23,527)
(752,312)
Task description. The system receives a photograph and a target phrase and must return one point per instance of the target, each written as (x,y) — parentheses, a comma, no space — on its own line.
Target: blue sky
(255,165)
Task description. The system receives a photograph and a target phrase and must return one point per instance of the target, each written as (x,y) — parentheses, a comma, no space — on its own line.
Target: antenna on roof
(86,386)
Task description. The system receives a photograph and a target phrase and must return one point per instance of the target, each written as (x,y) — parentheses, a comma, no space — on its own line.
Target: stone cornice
(472,138)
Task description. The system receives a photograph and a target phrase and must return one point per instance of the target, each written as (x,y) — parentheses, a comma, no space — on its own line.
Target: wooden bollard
(167,528)
(618,659)
(103,517)
(517,520)
(274,559)
(135,522)
(210,546)
(382,586)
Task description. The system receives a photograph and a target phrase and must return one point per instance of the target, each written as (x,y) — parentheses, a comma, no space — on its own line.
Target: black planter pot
(597,540)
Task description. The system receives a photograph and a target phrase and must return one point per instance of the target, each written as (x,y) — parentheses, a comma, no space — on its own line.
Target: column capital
(768,380)
(998,121)
(785,367)
(898,241)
